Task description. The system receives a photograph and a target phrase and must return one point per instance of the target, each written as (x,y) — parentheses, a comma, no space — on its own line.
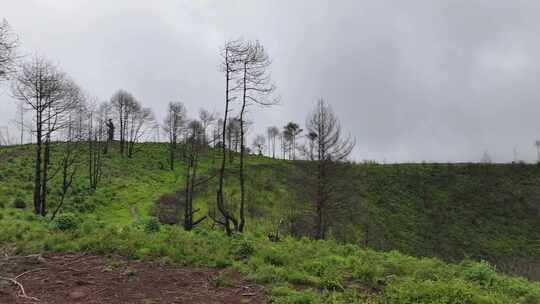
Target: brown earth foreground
(77,278)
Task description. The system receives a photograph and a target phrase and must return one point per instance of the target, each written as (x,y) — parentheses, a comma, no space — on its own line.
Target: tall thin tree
(257,88)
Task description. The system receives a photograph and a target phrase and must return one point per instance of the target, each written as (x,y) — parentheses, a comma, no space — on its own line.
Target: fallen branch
(23,292)
(29,271)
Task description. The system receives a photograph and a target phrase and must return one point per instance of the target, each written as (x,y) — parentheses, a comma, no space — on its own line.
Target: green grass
(487,213)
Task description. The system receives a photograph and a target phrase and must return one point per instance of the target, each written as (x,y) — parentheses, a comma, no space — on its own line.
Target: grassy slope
(454,211)
(301,271)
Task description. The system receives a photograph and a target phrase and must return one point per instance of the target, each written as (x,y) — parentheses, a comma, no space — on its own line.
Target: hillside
(452,212)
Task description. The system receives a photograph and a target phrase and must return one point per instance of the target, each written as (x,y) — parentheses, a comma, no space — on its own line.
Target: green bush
(368,275)
(480,272)
(275,257)
(66,221)
(151,225)
(332,280)
(242,248)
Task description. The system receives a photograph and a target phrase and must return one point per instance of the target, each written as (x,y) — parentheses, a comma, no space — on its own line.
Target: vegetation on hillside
(118,218)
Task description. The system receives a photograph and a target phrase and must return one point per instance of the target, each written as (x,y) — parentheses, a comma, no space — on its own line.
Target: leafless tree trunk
(69,164)
(206,118)
(195,142)
(51,95)
(325,135)
(173,126)
(96,145)
(139,123)
(256,88)
(122,102)
(231,52)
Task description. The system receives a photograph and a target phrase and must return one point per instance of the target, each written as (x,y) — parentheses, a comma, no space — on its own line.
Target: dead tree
(96,145)
(122,103)
(70,160)
(8,46)
(330,148)
(173,125)
(195,142)
(273,133)
(50,95)
(57,117)
(139,121)
(256,89)
(259,144)
(231,53)
(206,118)
(104,116)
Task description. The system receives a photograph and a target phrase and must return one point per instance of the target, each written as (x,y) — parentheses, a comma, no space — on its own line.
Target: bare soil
(77,278)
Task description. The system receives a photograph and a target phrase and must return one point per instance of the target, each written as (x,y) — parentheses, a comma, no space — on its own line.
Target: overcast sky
(411,80)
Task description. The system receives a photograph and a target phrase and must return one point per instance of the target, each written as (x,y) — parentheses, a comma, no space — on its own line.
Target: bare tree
(273,133)
(259,144)
(139,121)
(71,154)
(122,103)
(232,52)
(283,141)
(50,95)
(330,148)
(206,118)
(173,125)
(104,116)
(195,142)
(97,122)
(256,89)
(8,46)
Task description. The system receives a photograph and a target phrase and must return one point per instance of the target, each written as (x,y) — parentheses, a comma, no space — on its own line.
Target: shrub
(2,204)
(220,281)
(332,280)
(242,248)
(368,274)
(19,203)
(66,221)
(480,272)
(275,257)
(151,225)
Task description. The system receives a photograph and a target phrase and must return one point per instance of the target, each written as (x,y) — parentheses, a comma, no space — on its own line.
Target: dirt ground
(77,278)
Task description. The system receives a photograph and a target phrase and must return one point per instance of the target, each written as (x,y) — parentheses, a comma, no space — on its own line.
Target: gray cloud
(411,80)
